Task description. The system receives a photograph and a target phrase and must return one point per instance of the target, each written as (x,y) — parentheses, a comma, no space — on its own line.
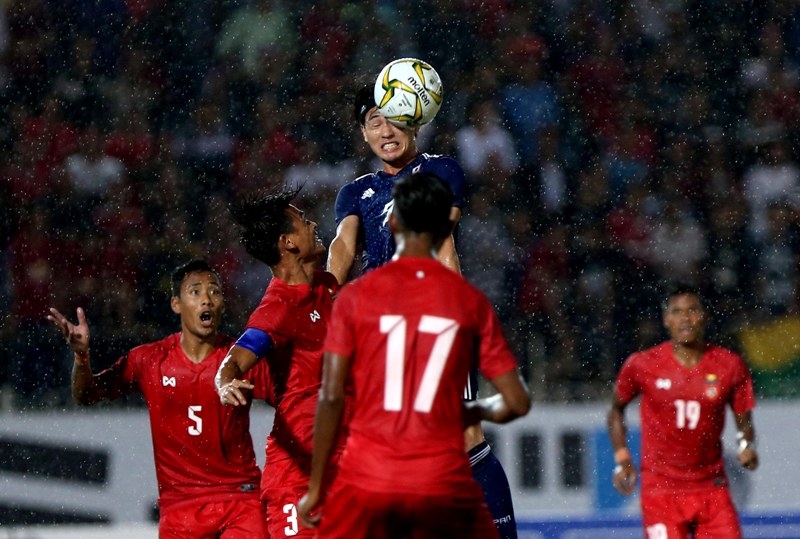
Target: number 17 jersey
(412,328)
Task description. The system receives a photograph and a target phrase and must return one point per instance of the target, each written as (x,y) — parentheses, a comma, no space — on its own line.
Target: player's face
(304,235)
(200,303)
(685,319)
(394,145)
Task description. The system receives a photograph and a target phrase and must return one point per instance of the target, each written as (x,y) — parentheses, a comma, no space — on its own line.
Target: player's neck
(689,354)
(294,271)
(195,347)
(396,166)
(415,246)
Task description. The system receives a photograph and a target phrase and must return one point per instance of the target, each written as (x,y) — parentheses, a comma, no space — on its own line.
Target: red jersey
(202,449)
(296,319)
(683,413)
(412,328)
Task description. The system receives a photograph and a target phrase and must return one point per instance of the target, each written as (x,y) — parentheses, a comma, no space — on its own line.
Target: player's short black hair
(262,217)
(422,203)
(680,289)
(363,102)
(194,266)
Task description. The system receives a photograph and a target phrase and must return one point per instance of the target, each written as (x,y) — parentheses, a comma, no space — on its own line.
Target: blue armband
(257,341)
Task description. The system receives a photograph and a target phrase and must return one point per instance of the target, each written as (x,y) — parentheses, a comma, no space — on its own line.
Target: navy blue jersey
(370,199)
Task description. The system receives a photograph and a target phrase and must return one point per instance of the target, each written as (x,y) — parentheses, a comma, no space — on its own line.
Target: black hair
(679,289)
(363,102)
(422,203)
(194,266)
(262,217)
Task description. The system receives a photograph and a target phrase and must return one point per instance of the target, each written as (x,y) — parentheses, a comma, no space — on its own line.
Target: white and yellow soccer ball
(408,92)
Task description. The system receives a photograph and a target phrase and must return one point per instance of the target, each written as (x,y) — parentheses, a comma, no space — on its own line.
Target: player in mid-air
(288,330)
(685,386)
(362,210)
(205,464)
(408,334)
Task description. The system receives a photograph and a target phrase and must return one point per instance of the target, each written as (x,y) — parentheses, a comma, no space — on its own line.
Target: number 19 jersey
(412,328)
(683,413)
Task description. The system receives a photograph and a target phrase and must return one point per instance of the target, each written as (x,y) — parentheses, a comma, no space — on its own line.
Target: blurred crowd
(610,147)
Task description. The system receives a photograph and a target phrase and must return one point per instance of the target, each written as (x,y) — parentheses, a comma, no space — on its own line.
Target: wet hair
(262,217)
(680,289)
(422,203)
(363,102)
(180,273)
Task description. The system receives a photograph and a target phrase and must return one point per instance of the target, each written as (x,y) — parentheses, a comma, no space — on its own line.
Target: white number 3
(445,330)
(290,510)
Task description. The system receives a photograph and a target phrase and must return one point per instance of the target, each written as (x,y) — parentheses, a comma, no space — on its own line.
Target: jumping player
(362,210)
(205,463)
(408,333)
(685,386)
(287,329)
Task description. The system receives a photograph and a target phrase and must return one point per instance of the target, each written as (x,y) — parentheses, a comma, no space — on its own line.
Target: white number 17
(395,326)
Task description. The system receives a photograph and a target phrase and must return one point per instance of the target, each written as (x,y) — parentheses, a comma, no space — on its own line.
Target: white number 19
(395,326)
(687,414)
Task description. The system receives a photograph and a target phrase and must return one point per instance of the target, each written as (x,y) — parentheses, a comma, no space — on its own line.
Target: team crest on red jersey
(712,386)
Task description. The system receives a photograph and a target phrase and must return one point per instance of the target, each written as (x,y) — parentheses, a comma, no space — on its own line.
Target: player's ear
(393,225)
(175,304)
(363,132)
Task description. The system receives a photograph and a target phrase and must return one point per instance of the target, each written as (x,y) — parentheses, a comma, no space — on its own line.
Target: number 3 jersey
(412,328)
(202,449)
(296,319)
(683,413)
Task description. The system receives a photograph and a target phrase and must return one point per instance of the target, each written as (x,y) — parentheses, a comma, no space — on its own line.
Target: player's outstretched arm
(342,252)
(624,476)
(330,407)
(746,437)
(229,380)
(511,401)
(85,388)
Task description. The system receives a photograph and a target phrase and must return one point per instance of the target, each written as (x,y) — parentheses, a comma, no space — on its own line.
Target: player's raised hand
(306,505)
(625,477)
(233,392)
(77,336)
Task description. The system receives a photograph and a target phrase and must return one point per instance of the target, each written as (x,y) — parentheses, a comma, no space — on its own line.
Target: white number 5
(197,428)
(395,326)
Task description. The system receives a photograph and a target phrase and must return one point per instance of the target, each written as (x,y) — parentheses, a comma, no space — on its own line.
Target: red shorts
(281,508)
(352,513)
(709,514)
(241,518)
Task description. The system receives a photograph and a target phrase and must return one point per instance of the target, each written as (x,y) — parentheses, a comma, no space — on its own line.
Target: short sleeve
(627,386)
(121,378)
(743,396)
(451,172)
(347,202)
(340,338)
(270,317)
(495,357)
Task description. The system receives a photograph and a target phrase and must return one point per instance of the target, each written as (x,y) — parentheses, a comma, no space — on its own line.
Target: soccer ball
(408,92)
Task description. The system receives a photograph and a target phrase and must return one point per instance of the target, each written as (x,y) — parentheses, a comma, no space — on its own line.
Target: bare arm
(342,252)
(228,381)
(86,389)
(511,401)
(447,252)
(330,407)
(624,472)
(746,436)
